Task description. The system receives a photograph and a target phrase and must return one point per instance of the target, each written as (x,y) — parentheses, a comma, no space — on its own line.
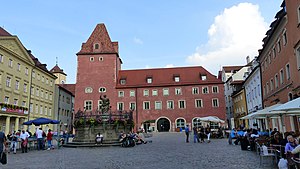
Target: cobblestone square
(167,151)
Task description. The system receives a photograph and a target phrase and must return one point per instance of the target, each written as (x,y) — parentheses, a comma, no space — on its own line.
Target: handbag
(3,158)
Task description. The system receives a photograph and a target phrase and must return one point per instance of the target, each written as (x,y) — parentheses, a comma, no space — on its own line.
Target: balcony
(13,109)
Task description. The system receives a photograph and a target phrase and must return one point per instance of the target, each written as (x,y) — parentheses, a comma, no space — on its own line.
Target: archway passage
(163,125)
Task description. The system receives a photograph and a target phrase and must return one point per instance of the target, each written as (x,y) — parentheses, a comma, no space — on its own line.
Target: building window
(30,107)
(26,71)
(123,81)
(195,90)
(42,94)
(178,91)
(43,79)
(203,77)
(146,92)
(10,63)
(276,81)
(180,123)
(92,59)
(264,90)
(8,81)
(215,102)
(47,81)
(120,106)
(158,105)
(149,80)
(32,90)
(15,102)
(37,92)
(120,93)
(132,93)
(176,78)
(204,90)
(215,89)
(298,57)
(154,92)
(279,46)
(166,92)
(299,15)
(271,85)
(1,58)
(25,88)
(50,96)
(100,59)
(284,38)
(33,74)
(281,76)
(102,90)
(41,109)
(132,105)
(96,46)
(197,123)
(50,112)
(38,76)
(181,104)
(288,73)
(88,90)
(274,52)
(267,88)
(36,109)
(46,96)
(6,100)
(170,104)
(88,104)
(46,111)
(51,82)
(146,105)
(17,85)
(198,103)
(18,67)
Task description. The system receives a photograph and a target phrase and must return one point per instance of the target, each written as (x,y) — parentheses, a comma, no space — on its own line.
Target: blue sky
(150,33)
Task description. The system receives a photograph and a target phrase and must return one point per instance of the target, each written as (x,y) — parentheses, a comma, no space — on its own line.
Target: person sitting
(139,138)
(99,139)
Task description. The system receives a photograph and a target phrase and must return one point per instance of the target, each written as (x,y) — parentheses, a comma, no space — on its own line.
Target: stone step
(91,145)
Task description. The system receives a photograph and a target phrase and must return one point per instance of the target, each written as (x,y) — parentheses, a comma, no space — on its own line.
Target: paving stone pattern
(167,151)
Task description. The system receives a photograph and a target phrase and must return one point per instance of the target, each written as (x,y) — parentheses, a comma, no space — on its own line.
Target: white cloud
(169,66)
(137,40)
(236,33)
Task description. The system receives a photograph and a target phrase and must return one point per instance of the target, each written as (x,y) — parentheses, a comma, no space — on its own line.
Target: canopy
(293,105)
(40,121)
(261,113)
(211,119)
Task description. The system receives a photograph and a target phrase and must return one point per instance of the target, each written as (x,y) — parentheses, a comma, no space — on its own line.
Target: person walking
(196,138)
(207,132)
(49,139)
(24,141)
(14,142)
(3,144)
(187,133)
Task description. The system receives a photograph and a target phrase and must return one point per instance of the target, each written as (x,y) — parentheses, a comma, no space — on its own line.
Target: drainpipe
(136,110)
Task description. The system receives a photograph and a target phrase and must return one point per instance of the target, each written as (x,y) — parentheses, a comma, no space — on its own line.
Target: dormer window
(96,46)
(203,77)
(176,78)
(149,80)
(123,81)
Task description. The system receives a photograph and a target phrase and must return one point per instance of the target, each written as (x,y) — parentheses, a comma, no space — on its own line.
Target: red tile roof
(101,37)
(68,87)
(165,77)
(3,32)
(57,69)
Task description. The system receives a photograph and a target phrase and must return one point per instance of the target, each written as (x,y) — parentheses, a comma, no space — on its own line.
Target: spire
(56,61)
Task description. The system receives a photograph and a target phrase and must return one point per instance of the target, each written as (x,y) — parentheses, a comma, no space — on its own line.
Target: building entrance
(163,125)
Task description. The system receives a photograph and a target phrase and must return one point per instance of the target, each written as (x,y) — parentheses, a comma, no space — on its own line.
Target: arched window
(96,46)
(88,90)
(196,122)
(180,123)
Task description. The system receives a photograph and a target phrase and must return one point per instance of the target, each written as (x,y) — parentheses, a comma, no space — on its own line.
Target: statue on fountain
(105,106)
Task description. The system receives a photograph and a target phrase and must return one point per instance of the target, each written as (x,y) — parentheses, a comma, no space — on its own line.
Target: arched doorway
(163,125)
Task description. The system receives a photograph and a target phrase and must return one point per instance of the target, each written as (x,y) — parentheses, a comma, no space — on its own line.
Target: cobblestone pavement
(167,151)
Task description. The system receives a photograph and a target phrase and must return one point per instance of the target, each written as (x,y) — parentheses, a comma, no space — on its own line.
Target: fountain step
(88,144)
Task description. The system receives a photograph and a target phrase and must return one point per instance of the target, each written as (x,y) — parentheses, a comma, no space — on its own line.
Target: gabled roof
(229,69)
(68,87)
(165,77)
(57,69)
(101,37)
(39,64)
(3,32)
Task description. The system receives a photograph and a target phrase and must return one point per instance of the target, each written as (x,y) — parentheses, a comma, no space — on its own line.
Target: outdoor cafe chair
(269,152)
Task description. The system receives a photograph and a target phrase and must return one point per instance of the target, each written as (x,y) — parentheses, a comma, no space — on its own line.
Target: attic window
(203,77)
(100,58)
(176,78)
(92,59)
(96,46)
(123,81)
(149,80)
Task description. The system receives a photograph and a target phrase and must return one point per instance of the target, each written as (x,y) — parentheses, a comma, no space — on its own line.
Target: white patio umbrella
(291,106)
(211,119)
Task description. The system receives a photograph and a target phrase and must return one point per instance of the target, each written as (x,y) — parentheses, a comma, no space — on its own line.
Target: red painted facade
(100,67)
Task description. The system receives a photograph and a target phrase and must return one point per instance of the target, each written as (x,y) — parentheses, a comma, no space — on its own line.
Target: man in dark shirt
(187,133)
